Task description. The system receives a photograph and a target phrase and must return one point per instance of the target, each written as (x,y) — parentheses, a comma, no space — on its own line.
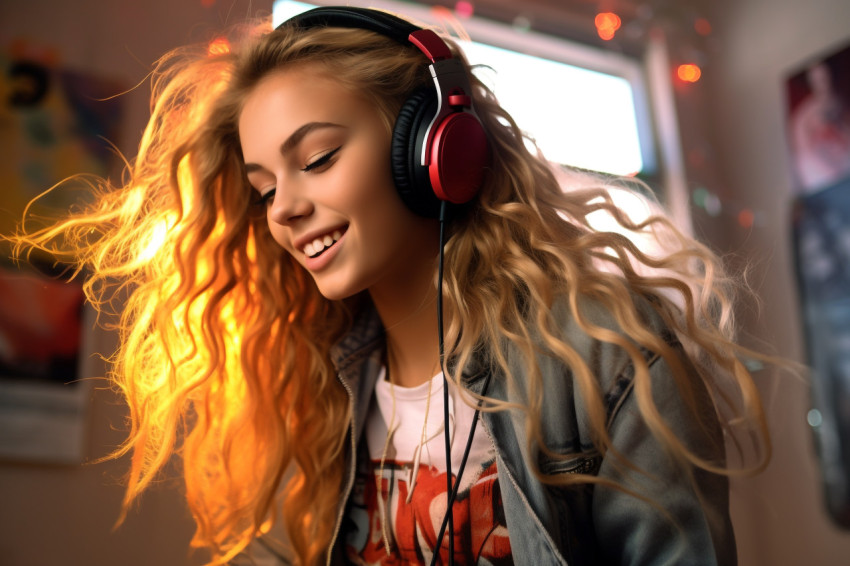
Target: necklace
(382,502)
(392,426)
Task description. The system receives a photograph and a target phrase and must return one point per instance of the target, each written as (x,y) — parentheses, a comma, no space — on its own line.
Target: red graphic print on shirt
(480,532)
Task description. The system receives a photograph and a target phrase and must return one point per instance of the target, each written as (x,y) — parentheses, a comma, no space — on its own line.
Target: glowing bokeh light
(746,218)
(702,26)
(464,9)
(814,418)
(689,72)
(607,23)
(441,12)
(712,204)
(700,196)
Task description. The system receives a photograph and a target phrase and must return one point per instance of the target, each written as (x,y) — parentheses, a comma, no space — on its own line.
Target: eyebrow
(294,139)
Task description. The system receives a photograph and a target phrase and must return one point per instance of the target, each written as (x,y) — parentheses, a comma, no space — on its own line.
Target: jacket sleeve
(675,514)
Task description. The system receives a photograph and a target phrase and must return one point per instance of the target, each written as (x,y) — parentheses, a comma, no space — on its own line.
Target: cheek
(391,229)
(383,216)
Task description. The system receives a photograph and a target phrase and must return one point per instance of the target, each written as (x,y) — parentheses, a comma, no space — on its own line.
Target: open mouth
(321,244)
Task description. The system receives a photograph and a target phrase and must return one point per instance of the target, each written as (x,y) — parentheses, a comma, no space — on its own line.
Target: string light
(689,72)
(440,12)
(464,9)
(702,26)
(746,218)
(713,206)
(708,201)
(607,23)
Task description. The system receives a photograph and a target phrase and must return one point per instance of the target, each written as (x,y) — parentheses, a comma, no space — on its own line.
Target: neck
(411,333)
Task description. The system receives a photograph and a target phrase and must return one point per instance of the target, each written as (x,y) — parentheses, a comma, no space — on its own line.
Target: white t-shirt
(412,499)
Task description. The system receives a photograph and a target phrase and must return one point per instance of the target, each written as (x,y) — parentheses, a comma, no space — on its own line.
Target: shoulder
(596,334)
(613,358)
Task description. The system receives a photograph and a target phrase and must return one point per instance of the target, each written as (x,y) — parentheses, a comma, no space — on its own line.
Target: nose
(289,205)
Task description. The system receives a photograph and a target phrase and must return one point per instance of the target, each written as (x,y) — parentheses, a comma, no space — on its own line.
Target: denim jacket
(679,516)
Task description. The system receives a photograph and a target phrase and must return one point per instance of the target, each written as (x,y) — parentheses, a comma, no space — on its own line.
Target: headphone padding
(411,178)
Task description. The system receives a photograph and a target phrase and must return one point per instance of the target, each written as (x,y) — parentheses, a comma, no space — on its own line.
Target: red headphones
(439,147)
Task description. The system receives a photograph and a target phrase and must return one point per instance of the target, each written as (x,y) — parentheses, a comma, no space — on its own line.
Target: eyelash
(266,198)
(324,159)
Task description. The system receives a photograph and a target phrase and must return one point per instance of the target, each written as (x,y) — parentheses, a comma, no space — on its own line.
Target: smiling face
(319,157)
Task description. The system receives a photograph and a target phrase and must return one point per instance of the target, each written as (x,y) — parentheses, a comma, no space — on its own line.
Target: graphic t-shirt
(400,505)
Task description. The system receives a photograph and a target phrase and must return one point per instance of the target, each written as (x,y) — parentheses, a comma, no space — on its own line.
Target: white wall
(779,515)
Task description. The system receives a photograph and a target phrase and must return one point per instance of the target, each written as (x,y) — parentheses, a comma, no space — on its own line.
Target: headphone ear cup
(411,178)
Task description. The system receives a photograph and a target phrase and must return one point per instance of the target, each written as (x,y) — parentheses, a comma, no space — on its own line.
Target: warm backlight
(218,46)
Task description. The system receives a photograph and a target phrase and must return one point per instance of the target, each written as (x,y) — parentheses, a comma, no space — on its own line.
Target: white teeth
(318,245)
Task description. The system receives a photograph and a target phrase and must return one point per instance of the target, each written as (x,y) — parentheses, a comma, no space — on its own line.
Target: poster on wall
(53,124)
(818,98)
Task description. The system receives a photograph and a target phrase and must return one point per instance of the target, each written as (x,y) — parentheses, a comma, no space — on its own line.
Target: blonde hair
(225,339)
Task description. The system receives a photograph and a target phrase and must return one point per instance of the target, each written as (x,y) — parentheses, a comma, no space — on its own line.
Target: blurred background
(735,112)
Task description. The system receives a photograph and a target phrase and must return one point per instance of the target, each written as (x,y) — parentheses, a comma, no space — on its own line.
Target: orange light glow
(440,12)
(689,73)
(219,46)
(746,218)
(607,23)
(150,246)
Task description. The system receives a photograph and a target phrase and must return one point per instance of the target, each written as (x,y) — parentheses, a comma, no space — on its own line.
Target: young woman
(292,329)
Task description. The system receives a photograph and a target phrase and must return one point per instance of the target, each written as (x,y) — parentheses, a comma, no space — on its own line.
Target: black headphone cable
(448,518)
(451,493)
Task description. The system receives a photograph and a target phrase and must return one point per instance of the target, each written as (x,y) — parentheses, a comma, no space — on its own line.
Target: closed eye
(324,159)
(267,198)
(263,200)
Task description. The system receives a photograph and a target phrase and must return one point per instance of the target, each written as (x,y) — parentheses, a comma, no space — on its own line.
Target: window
(584,107)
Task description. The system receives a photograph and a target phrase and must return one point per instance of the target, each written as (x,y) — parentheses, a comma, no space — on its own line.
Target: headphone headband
(381,23)
(351,17)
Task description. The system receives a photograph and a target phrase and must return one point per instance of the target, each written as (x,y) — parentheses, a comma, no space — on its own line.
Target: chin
(337,292)
(334,296)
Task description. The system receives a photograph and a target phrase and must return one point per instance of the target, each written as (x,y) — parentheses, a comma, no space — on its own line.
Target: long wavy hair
(224,338)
